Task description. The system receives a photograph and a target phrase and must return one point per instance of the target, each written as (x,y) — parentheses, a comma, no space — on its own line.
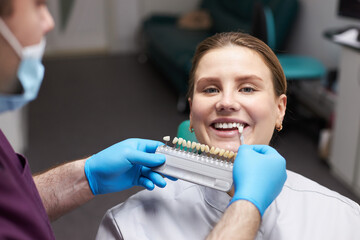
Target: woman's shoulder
(308,210)
(297,186)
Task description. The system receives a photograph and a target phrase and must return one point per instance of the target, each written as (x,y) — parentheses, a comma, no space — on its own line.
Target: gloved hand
(124,165)
(259,174)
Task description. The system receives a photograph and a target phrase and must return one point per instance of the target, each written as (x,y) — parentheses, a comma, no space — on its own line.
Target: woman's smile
(227,127)
(233,87)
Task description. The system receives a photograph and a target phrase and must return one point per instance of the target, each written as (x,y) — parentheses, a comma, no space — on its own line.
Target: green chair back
(295,67)
(184,132)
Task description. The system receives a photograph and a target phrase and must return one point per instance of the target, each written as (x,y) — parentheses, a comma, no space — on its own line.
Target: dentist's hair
(5,8)
(221,40)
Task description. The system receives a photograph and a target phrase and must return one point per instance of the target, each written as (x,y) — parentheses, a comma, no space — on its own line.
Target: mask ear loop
(10,38)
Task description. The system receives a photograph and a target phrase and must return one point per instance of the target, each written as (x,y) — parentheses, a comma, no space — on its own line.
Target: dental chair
(295,67)
(183,131)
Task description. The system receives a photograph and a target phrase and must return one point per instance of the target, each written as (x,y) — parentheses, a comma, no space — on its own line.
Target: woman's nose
(227,102)
(47,19)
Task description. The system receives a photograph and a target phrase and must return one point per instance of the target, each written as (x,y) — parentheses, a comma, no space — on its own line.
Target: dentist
(28,202)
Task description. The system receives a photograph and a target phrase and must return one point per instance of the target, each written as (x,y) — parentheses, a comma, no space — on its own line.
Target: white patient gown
(182,210)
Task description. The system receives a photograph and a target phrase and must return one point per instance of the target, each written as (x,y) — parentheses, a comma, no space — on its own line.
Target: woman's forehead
(241,60)
(232,53)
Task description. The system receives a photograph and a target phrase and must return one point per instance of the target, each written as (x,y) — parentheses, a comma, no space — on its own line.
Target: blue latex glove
(259,174)
(124,165)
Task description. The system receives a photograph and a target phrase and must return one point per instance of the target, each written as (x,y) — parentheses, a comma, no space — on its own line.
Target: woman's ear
(281,103)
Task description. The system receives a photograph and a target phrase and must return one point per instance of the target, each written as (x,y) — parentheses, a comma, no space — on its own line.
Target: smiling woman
(232,84)
(235,80)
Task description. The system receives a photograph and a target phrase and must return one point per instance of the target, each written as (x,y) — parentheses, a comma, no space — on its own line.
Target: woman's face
(234,85)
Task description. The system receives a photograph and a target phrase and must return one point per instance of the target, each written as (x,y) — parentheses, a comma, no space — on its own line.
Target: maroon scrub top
(22,213)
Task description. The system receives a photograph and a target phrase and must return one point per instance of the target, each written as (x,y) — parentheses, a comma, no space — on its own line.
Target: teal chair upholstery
(295,67)
(183,131)
(301,67)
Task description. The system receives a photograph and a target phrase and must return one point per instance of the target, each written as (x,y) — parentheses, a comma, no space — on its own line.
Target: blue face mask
(30,72)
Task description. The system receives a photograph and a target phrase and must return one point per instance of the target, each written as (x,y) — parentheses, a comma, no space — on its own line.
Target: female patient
(235,78)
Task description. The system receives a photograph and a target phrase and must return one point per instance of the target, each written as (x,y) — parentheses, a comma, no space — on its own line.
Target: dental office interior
(117,69)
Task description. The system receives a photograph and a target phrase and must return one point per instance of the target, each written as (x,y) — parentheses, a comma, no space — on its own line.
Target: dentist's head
(23,25)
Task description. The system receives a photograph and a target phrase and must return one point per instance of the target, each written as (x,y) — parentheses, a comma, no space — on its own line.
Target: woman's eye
(247,89)
(211,90)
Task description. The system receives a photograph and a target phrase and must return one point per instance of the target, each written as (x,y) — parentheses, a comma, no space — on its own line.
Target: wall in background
(114,26)
(149,7)
(85,29)
(124,18)
(314,18)
(111,25)
(123,21)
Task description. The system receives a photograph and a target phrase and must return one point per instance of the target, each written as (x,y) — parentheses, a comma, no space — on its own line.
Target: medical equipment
(241,129)
(198,163)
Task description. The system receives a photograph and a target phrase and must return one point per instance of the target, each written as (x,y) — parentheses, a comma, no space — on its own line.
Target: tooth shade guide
(166,139)
(207,149)
(208,170)
(241,129)
(193,147)
(198,146)
(184,144)
(222,152)
(211,152)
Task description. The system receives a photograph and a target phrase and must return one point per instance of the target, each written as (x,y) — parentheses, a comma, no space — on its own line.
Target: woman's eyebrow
(249,77)
(207,80)
(241,78)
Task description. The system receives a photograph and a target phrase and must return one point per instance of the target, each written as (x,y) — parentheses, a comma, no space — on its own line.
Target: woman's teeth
(228,125)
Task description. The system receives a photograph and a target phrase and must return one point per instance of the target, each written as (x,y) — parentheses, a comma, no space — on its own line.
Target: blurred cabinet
(345,155)
(14,126)
(85,29)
